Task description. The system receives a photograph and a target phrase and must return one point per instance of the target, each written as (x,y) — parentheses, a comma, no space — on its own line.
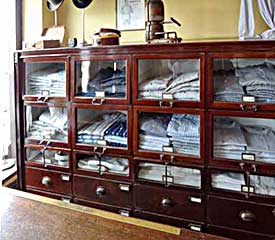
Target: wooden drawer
(175,203)
(103,191)
(172,221)
(241,215)
(64,198)
(51,181)
(236,234)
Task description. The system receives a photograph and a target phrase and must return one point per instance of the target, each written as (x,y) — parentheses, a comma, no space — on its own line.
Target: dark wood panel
(241,215)
(103,191)
(236,234)
(167,202)
(47,180)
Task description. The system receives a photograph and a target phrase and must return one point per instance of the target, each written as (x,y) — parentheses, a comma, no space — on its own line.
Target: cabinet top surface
(194,46)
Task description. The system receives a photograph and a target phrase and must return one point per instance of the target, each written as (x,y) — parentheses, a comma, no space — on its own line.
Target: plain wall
(201,19)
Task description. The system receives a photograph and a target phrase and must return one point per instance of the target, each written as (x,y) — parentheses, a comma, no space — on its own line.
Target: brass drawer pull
(166,202)
(247,216)
(46,181)
(100,191)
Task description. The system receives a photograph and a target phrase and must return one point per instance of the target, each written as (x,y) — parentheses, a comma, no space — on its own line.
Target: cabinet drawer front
(103,191)
(241,215)
(236,234)
(49,180)
(175,203)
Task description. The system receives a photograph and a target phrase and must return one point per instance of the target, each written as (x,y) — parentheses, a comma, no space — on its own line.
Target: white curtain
(267,10)
(246,21)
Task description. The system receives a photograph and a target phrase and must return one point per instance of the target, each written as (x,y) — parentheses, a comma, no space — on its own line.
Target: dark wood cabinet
(182,134)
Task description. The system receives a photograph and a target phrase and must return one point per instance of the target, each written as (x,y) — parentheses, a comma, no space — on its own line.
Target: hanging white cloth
(246,21)
(267,10)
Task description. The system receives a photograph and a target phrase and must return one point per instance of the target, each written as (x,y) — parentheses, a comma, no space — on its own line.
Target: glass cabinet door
(102,127)
(104,164)
(169,79)
(172,133)
(47,79)
(263,185)
(243,138)
(169,175)
(231,181)
(47,157)
(46,123)
(244,80)
(101,79)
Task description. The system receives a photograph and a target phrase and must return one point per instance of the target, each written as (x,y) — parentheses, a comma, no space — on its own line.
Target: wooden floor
(27,216)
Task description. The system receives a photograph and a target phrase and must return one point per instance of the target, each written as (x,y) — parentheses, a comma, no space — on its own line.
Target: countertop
(28,216)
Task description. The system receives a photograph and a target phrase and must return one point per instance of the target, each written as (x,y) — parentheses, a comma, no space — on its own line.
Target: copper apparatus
(155,22)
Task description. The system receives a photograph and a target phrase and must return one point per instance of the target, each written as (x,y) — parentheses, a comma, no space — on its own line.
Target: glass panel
(263,185)
(179,133)
(177,78)
(47,123)
(251,79)
(101,78)
(228,180)
(242,138)
(175,175)
(106,164)
(47,79)
(100,127)
(51,157)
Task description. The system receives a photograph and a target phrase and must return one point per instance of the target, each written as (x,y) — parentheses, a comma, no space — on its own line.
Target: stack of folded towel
(108,80)
(111,127)
(49,79)
(105,164)
(184,132)
(52,124)
(181,176)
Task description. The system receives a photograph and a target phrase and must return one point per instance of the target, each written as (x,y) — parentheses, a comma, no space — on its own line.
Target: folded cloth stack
(181,176)
(227,87)
(49,79)
(258,81)
(153,134)
(183,82)
(229,141)
(106,164)
(111,127)
(52,124)
(263,184)
(261,142)
(228,180)
(108,80)
(184,130)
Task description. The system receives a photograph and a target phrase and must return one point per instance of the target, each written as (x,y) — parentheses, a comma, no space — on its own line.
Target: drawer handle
(195,227)
(245,108)
(166,202)
(65,178)
(273,212)
(124,187)
(124,213)
(247,216)
(195,200)
(100,191)
(97,101)
(46,181)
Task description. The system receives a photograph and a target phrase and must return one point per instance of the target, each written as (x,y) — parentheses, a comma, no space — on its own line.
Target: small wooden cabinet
(182,134)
